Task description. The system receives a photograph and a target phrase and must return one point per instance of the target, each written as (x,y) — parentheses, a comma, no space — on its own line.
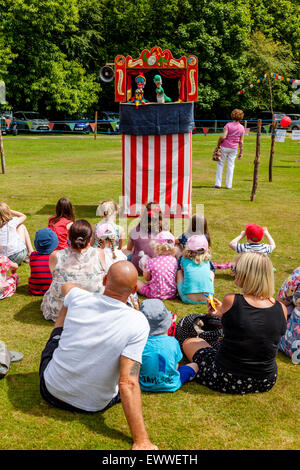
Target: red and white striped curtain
(157,168)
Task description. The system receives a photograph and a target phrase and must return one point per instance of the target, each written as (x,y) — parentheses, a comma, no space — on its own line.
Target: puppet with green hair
(160,94)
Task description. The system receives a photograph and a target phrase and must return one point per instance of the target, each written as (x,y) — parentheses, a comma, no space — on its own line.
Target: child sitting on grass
(198,226)
(109,210)
(14,237)
(62,221)
(160,271)
(254,234)
(106,236)
(8,284)
(195,280)
(159,370)
(40,278)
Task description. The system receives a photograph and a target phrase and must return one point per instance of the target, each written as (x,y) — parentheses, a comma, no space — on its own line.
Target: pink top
(60,228)
(235,132)
(163,270)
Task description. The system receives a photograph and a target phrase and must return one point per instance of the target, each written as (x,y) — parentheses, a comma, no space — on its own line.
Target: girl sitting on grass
(160,271)
(109,210)
(195,280)
(106,236)
(62,221)
(8,284)
(14,237)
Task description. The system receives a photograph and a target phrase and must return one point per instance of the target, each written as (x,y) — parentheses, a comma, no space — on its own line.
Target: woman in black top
(253,323)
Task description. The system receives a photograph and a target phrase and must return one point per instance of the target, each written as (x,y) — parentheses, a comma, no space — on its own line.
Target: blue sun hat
(159,318)
(45,240)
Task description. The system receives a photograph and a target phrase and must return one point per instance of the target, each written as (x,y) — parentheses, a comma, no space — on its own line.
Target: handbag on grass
(217,154)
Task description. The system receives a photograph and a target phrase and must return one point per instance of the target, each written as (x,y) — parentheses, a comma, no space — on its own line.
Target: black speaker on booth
(107,73)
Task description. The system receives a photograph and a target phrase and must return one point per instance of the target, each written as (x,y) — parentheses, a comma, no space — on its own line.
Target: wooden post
(273,135)
(2,153)
(216,126)
(256,161)
(96,118)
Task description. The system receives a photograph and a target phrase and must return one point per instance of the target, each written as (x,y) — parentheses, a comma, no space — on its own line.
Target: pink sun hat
(197,243)
(105,230)
(165,237)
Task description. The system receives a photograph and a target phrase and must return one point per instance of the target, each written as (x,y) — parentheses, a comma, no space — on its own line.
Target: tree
(266,56)
(47,73)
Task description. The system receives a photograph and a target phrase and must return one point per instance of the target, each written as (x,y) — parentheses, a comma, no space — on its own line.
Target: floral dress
(83,268)
(8,284)
(290,292)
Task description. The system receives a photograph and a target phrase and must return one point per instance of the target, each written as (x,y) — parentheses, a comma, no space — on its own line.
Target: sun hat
(197,243)
(254,232)
(106,230)
(159,318)
(165,237)
(45,240)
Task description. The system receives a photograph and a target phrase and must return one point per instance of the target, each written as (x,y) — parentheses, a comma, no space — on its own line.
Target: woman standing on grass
(229,142)
(253,323)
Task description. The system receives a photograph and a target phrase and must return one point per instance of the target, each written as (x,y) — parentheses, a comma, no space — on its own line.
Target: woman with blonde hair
(195,280)
(253,323)
(229,142)
(15,241)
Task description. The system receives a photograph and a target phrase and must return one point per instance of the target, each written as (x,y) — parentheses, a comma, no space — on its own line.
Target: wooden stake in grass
(2,153)
(273,135)
(96,118)
(256,161)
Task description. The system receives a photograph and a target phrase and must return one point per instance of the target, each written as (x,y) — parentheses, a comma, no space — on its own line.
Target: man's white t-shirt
(85,367)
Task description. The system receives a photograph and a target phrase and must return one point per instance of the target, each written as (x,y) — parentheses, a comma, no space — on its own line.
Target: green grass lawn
(38,172)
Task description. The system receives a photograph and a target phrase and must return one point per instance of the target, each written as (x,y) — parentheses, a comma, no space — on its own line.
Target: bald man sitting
(93,356)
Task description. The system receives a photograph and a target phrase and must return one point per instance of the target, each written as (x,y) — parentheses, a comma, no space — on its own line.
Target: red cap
(254,232)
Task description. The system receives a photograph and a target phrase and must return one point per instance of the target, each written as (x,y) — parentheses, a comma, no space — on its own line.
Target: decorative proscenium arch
(185,69)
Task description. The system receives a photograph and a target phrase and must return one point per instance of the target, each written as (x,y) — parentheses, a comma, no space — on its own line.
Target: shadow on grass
(81,211)
(23,290)
(32,314)
(24,395)
(225,276)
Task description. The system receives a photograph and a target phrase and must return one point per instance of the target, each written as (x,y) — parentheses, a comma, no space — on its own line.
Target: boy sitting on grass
(254,234)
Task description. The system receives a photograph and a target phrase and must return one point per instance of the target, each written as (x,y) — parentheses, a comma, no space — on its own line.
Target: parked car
(266,117)
(3,125)
(61,127)
(28,121)
(108,122)
(82,127)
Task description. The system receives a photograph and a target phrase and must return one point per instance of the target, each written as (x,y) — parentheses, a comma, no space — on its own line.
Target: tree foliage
(51,50)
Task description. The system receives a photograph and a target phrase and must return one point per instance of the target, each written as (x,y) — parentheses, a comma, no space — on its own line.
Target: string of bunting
(273,75)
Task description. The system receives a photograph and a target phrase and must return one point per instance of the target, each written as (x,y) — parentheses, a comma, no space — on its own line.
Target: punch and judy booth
(156,93)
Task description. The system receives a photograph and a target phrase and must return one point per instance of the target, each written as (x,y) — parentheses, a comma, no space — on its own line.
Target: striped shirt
(40,274)
(254,247)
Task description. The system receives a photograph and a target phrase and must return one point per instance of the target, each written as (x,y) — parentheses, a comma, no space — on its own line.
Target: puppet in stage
(160,94)
(139,92)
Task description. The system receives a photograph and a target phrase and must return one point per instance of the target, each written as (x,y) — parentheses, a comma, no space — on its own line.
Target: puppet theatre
(156,93)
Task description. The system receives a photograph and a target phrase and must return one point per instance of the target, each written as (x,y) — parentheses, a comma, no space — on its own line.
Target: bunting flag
(157,168)
(272,75)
